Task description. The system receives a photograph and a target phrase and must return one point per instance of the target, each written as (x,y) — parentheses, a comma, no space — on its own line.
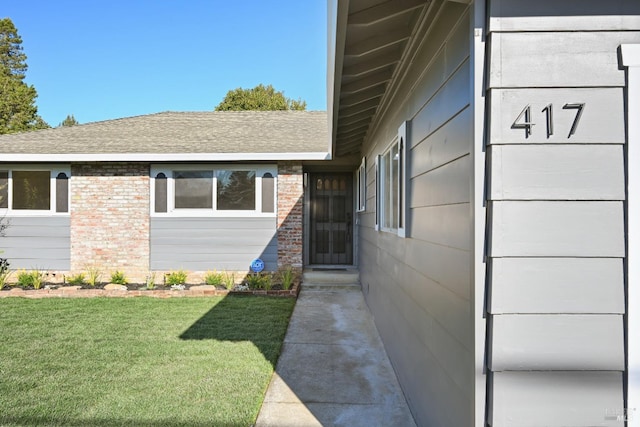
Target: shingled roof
(179,136)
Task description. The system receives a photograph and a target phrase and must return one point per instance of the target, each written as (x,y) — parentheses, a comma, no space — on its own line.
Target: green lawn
(138,362)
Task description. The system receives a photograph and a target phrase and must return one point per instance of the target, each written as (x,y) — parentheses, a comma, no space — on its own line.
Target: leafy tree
(70,120)
(18,111)
(261,98)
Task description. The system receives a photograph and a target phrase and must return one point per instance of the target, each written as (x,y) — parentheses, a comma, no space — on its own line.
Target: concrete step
(331,278)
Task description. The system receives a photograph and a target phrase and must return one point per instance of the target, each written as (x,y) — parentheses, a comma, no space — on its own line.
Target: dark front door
(331,218)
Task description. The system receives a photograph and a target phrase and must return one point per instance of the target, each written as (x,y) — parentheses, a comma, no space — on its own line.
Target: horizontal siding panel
(449,184)
(557,172)
(547,342)
(447,225)
(557,229)
(430,379)
(212,243)
(449,267)
(38,242)
(208,265)
(602,120)
(556,285)
(572,15)
(543,59)
(556,399)
(228,223)
(452,98)
(450,142)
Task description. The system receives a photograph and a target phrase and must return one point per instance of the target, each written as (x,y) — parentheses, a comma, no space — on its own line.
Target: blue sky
(105,59)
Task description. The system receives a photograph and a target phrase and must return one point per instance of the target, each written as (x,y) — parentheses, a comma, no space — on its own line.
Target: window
(361,186)
(391,185)
(35,190)
(186,190)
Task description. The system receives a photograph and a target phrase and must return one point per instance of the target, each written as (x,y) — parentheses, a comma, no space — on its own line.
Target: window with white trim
(391,179)
(34,190)
(213,190)
(361,186)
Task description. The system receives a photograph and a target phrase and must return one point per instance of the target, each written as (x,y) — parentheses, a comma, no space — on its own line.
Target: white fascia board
(164,157)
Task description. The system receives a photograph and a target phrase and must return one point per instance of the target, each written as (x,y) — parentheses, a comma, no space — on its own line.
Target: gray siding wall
(42,243)
(556,226)
(419,287)
(201,244)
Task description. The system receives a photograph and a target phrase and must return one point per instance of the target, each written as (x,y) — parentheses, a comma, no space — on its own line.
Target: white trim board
(164,157)
(630,54)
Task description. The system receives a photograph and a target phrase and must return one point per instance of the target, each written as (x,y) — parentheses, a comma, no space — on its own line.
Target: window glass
(236,190)
(31,190)
(161,193)
(62,192)
(193,189)
(268,193)
(4,189)
(395,185)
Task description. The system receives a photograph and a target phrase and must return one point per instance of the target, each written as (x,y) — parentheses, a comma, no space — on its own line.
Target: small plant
(4,272)
(287,276)
(259,281)
(118,278)
(176,278)
(214,278)
(229,280)
(177,287)
(77,279)
(33,278)
(151,281)
(93,276)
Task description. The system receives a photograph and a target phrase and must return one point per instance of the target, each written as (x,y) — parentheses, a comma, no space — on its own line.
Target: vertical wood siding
(419,287)
(42,243)
(556,228)
(201,244)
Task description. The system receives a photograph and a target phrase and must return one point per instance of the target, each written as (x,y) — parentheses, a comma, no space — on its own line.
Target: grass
(138,362)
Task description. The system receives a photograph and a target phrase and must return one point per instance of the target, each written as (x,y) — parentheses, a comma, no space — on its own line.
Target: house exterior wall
(202,244)
(37,243)
(419,288)
(289,221)
(556,207)
(110,218)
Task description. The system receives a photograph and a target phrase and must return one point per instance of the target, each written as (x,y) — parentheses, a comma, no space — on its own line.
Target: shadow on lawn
(260,320)
(97,422)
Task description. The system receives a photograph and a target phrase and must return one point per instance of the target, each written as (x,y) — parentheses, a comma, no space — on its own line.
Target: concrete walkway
(333,369)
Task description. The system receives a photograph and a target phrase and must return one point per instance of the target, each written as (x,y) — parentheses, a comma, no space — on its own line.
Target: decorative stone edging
(194,291)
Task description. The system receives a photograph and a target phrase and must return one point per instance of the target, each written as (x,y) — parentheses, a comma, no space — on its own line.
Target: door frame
(306,218)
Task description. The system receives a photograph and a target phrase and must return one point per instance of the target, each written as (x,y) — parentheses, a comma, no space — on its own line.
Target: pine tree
(70,120)
(18,111)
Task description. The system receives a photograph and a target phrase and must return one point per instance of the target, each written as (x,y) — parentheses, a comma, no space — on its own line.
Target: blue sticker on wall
(257,265)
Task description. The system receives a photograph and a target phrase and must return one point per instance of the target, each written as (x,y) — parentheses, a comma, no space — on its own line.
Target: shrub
(229,280)
(78,279)
(93,276)
(214,278)
(287,276)
(260,281)
(176,278)
(118,278)
(33,278)
(151,281)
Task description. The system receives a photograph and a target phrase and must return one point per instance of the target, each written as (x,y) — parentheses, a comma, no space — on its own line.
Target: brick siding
(290,191)
(110,218)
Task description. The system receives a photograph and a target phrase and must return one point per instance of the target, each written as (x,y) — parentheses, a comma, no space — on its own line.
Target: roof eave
(164,157)
(338,17)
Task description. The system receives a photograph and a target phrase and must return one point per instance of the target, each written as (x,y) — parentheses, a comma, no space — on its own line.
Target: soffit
(376,38)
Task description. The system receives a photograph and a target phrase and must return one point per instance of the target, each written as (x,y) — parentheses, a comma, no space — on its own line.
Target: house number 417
(524,119)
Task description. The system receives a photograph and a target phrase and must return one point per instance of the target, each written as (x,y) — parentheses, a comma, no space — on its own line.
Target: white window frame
(53,170)
(382,193)
(361,186)
(172,211)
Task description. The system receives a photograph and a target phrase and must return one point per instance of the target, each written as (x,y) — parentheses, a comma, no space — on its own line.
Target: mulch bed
(139,291)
